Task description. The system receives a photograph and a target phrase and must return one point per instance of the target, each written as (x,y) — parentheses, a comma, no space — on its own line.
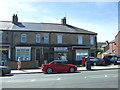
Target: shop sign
(60,49)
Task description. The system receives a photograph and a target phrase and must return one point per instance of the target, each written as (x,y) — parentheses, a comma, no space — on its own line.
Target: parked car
(58,66)
(113,58)
(97,61)
(4,70)
(118,57)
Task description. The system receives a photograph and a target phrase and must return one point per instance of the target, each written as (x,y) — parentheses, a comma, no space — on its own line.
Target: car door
(64,67)
(57,66)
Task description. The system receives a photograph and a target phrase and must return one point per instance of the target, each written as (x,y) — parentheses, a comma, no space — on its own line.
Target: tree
(99,51)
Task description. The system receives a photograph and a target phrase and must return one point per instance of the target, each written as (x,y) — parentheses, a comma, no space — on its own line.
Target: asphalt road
(84,79)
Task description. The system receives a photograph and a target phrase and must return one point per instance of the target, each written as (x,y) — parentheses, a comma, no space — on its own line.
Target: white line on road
(33,80)
(106,76)
(58,78)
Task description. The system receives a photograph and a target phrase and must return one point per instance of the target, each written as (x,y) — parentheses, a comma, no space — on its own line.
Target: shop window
(80,53)
(24,53)
(61,56)
(4,55)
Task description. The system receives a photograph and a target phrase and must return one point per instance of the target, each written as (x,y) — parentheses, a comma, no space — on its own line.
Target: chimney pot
(63,21)
(15,19)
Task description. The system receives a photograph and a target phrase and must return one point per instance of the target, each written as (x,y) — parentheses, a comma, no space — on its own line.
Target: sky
(96,16)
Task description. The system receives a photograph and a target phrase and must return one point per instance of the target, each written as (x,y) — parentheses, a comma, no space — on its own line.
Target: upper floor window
(80,40)
(23,38)
(37,38)
(46,38)
(1,36)
(92,40)
(59,39)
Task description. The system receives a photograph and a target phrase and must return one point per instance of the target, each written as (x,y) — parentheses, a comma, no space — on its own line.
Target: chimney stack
(63,21)
(15,19)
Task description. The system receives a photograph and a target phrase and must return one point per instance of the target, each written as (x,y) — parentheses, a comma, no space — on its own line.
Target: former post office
(38,43)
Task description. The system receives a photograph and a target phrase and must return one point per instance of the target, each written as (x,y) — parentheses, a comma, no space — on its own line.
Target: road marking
(106,76)
(8,81)
(33,80)
(58,78)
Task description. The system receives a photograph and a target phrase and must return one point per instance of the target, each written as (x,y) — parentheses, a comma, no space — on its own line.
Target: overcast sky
(99,17)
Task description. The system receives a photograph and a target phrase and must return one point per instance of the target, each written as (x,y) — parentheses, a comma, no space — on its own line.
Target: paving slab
(28,71)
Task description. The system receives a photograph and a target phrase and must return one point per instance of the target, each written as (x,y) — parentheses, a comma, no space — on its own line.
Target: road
(84,79)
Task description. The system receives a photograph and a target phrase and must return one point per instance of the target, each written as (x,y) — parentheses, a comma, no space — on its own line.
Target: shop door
(38,56)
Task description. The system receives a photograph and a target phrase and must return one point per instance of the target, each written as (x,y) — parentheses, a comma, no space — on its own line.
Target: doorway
(39,56)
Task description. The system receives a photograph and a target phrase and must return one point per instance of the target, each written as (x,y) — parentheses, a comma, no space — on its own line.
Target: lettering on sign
(62,49)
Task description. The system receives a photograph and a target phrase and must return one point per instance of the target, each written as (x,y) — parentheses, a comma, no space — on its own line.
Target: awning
(5,46)
(80,47)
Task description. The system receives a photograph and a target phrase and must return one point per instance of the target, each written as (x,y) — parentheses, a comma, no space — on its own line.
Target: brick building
(114,45)
(36,43)
(117,43)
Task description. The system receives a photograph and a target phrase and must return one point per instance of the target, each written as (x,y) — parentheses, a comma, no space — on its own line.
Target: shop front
(60,53)
(5,50)
(80,51)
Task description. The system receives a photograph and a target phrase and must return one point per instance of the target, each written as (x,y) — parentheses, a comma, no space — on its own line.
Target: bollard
(88,64)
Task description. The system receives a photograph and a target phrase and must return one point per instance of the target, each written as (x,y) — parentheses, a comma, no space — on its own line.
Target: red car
(58,66)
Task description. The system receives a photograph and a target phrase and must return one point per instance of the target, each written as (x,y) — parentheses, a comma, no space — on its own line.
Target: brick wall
(117,43)
(24,65)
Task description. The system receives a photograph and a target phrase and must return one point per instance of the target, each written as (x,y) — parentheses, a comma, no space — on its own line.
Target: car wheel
(72,69)
(49,70)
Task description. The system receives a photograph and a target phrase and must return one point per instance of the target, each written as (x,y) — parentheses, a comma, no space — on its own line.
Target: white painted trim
(23,48)
(9,53)
(35,53)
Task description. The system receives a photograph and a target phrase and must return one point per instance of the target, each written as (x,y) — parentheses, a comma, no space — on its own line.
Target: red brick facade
(114,46)
(117,43)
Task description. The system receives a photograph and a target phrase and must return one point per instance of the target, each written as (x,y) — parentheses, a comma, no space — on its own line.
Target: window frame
(59,39)
(80,39)
(46,38)
(23,50)
(80,53)
(23,38)
(92,40)
(38,38)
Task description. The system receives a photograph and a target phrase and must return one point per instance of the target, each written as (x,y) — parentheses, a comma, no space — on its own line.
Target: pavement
(80,68)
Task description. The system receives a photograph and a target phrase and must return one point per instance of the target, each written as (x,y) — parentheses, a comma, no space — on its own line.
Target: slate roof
(43,27)
(113,41)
